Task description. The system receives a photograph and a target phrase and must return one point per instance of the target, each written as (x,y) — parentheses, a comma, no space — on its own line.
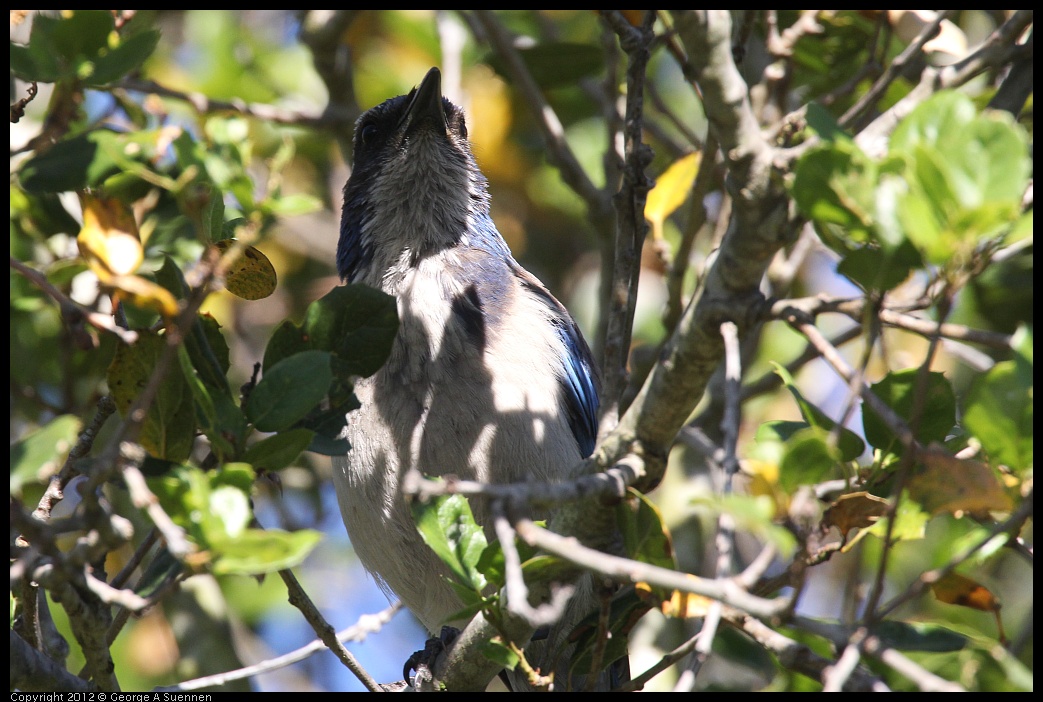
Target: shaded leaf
(897,391)
(645,537)
(289,391)
(850,444)
(555,64)
(856,510)
(807,459)
(960,590)
(498,652)
(919,636)
(40,454)
(169,427)
(949,484)
(356,323)
(277,452)
(999,413)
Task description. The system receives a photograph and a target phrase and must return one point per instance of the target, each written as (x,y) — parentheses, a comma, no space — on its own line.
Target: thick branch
(759,227)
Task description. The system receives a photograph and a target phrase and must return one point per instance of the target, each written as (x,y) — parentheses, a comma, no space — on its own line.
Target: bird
(489,377)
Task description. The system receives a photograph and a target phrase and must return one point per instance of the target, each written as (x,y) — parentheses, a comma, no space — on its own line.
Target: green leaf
(169,427)
(496,651)
(41,453)
(753,514)
(292,205)
(357,324)
(231,508)
(72,164)
(625,609)
(877,269)
(555,64)
(821,122)
(850,444)
(999,413)
(286,340)
(277,452)
(289,390)
(834,184)
(645,537)
(910,524)
(256,551)
(896,390)
(807,459)
(128,56)
(157,574)
(448,528)
(966,173)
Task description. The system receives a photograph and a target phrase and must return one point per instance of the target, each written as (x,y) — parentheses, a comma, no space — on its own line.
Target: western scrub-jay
(489,377)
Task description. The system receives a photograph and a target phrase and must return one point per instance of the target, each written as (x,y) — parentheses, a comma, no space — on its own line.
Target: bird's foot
(423,661)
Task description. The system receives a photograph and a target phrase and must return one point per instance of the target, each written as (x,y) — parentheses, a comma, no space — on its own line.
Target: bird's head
(414,188)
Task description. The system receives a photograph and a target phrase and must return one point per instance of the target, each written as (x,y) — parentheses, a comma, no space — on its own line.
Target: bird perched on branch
(489,378)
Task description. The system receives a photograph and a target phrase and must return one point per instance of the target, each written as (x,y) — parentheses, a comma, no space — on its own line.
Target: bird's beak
(425,109)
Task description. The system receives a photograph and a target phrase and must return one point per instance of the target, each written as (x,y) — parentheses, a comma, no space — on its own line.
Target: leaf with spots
(169,425)
(251,276)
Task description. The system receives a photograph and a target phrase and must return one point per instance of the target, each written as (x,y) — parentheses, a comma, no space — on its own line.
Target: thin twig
(70,307)
(630,571)
(895,68)
(367,624)
(517,592)
(299,599)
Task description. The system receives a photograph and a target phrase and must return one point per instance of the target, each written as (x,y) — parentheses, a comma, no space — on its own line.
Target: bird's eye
(368,133)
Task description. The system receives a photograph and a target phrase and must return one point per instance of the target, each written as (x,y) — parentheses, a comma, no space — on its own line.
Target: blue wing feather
(579,379)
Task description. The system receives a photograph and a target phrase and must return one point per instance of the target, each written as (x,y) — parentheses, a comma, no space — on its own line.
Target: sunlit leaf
(671,190)
(910,524)
(256,551)
(109,238)
(251,276)
(144,294)
(448,527)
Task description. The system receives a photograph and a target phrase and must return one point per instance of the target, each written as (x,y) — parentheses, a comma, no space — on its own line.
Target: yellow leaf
(634,17)
(670,191)
(680,605)
(959,590)
(252,276)
(144,293)
(109,238)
